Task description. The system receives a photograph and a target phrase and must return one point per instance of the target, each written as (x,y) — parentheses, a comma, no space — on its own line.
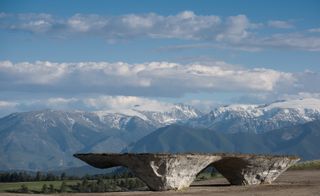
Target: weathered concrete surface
(159,171)
(177,171)
(253,169)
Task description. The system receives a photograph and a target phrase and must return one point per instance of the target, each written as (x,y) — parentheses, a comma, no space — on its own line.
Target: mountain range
(259,118)
(302,140)
(42,140)
(46,140)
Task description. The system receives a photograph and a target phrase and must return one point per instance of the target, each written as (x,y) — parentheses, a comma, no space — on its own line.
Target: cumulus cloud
(147,79)
(236,29)
(117,86)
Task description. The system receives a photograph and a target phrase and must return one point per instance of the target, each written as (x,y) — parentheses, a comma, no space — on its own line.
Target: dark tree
(51,189)
(44,189)
(24,189)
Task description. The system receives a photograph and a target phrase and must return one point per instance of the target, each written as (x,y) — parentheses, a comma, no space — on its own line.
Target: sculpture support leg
(248,170)
(174,172)
(177,171)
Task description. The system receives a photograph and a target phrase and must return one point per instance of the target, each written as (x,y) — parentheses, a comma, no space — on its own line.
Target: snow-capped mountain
(47,139)
(158,117)
(41,140)
(260,118)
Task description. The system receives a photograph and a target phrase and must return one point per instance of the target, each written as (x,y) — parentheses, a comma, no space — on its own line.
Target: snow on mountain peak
(154,107)
(159,116)
(239,107)
(260,118)
(298,104)
(121,112)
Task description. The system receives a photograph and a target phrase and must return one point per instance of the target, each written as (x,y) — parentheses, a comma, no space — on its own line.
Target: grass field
(36,187)
(306,165)
(33,186)
(207,176)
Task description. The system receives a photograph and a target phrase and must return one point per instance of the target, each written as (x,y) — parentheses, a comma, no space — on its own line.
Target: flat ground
(291,183)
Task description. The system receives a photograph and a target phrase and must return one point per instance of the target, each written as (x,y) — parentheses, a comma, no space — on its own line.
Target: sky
(105,55)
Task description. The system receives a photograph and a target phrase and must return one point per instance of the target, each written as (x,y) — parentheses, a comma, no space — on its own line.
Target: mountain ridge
(46,139)
(302,140)
(259,118)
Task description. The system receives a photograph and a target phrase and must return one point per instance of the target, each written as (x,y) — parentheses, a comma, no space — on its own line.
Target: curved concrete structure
(177,171)
(244,169)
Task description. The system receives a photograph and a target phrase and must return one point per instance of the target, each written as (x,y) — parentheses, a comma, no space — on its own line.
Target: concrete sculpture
(177,171)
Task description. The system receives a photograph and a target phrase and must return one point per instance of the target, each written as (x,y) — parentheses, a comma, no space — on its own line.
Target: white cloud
(97,85)
(227,32)
(59,101)
(300,95)
(97,103)
(148,79)
(86,23)
(236,29)
(280,24)
(204,105)
(7,107)
(293,40)
(7,104)
(117,103)
(183,25)
(40,72)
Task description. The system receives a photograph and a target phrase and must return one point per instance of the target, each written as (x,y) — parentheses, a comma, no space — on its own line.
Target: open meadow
(292,182)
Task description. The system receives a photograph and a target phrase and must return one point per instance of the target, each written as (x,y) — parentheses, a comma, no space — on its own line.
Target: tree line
(24,176)
(89,186)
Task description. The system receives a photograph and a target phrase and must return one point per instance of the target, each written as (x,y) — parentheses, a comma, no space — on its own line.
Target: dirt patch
(293,183)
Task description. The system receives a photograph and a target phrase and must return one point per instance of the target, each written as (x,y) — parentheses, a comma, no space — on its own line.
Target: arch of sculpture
(162,171)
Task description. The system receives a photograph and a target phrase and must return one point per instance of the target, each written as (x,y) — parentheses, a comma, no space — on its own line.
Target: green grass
(207,176)
(33,186)
(306,165)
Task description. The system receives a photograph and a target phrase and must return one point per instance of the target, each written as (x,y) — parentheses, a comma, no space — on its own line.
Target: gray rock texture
(245,169)
(177,171)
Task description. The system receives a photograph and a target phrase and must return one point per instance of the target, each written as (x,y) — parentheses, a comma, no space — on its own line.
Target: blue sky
(82,54)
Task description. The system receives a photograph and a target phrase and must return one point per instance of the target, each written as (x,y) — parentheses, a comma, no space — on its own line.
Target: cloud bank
(237,31)
(158,79)
(112,86)
(98,103)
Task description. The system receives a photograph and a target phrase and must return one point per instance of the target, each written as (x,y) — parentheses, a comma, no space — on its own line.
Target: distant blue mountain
(302,140)
(46,140)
